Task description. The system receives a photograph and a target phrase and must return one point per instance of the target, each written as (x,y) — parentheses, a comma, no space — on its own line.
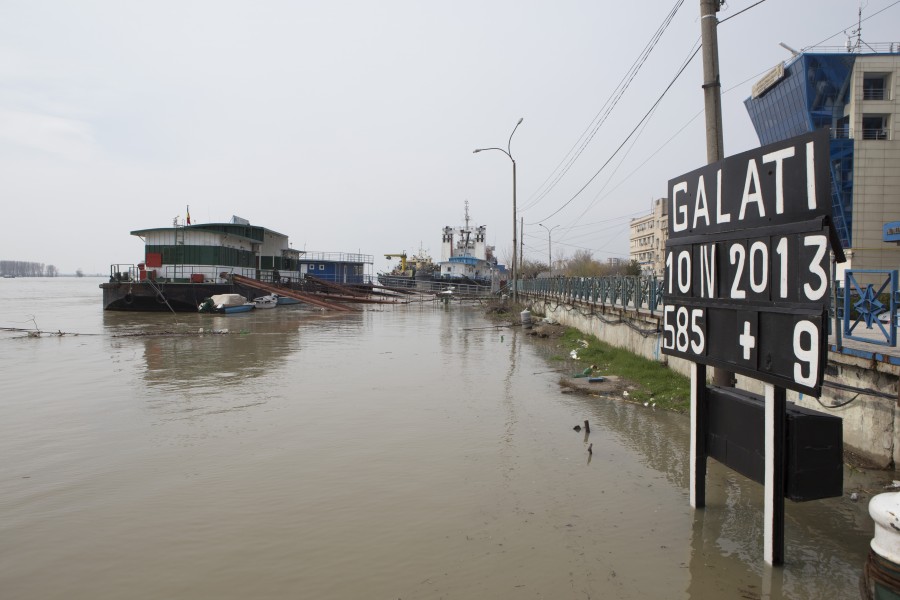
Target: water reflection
(826,541)
(206,365)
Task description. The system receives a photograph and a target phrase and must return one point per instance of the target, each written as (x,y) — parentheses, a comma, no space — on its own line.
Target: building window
(875,127)
(875,86)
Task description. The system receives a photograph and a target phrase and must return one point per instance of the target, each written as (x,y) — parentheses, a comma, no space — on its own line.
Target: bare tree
(582,264)
(532,268)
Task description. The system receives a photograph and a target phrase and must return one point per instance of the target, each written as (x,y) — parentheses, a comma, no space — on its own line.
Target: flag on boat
(189,214)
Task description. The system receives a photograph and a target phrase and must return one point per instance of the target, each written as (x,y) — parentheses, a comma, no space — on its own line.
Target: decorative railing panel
(870,299)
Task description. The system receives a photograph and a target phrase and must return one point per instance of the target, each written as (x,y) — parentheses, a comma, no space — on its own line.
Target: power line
(743,11)
(643,120)
(678,132)
(851,25)
(636,127)
(608,107)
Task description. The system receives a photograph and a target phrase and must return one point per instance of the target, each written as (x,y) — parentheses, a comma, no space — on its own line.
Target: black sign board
(747,263)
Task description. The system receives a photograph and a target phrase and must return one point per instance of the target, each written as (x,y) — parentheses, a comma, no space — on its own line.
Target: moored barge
(185,264)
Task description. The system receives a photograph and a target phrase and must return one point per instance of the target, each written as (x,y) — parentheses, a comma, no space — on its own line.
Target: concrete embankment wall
(871,422)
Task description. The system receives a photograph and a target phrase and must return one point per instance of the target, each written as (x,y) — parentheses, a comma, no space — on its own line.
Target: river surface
(397,452)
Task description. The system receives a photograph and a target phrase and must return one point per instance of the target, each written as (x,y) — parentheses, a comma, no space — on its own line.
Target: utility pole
(549,246)
(712,101)
(508,153)
(521,243)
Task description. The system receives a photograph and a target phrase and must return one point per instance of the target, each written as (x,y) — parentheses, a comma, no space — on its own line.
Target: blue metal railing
(635,293)
(868,301)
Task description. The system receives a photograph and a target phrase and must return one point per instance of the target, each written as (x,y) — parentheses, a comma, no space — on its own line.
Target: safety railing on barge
(634,293)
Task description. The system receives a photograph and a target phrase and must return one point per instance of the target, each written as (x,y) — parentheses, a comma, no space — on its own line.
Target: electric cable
(845,28)
(608,106)
(625,141)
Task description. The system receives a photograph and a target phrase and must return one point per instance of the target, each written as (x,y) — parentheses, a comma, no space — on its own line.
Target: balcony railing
(879,133)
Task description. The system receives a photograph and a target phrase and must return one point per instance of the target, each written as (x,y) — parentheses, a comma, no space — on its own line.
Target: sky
(350,125)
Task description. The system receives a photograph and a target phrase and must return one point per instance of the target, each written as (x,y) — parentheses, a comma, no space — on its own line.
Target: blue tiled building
(856,97)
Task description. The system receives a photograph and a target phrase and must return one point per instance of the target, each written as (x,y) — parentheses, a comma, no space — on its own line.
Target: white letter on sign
(756,196)
(720,217)
(707,271)
(778,157)
(679,224)
(700,207)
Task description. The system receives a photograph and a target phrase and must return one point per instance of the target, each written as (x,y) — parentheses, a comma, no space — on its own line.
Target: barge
(185,264)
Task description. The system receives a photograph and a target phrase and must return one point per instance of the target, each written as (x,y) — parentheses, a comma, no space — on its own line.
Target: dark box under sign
(813,443)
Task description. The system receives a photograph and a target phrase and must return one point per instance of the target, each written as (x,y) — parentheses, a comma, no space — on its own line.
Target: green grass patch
(654,381)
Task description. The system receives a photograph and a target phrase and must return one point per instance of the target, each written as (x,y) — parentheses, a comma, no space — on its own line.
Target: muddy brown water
(400,452)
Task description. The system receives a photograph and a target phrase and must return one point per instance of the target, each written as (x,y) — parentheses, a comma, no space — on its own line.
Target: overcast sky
(349,125)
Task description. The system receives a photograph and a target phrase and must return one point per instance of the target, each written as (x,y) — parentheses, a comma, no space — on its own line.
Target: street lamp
(508,153)
(549,247)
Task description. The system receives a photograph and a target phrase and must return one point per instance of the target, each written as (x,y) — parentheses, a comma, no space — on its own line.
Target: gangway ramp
(289,293)
(346,293)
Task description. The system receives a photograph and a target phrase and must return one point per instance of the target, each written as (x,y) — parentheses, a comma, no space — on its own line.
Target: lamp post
(549,247)
(508,153)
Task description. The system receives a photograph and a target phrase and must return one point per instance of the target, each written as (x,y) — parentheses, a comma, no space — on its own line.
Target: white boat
(226,303)
(270,301)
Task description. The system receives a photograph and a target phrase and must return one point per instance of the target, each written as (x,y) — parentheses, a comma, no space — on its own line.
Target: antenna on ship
(467,231)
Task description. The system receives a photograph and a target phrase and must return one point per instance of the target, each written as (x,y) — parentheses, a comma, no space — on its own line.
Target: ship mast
(467,231)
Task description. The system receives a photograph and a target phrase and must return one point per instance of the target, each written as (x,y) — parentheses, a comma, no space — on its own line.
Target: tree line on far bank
(21,268)
(581,264)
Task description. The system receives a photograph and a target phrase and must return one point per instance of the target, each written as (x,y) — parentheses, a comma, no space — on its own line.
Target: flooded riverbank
(407,452)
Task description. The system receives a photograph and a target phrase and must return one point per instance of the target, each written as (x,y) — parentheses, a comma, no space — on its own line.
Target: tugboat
(466,259)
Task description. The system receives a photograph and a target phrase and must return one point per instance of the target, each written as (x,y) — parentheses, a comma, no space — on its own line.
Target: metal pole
(549,247)
(712,101)
(549,253)
(515,290)
(508,153)
(521,242)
